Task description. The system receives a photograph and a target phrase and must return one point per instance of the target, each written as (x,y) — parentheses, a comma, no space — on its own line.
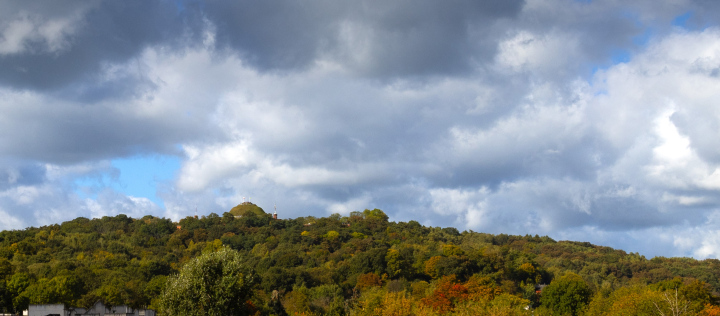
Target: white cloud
(356,204)
(208,165)
(546,54)
(468,206)
(19,32)
(10,222)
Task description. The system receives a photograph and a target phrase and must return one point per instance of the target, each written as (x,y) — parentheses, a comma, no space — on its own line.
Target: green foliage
(362,264)
(216,283)
(567,295)
(60,289)
(375,214)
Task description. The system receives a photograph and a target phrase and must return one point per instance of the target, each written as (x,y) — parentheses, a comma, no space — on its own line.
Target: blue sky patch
(136,176)
(682,20)
(140,175)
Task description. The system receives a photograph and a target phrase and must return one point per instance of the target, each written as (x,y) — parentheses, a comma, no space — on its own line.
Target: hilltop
(246,208)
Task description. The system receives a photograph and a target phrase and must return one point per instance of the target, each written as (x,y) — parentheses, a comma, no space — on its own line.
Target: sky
(592,121)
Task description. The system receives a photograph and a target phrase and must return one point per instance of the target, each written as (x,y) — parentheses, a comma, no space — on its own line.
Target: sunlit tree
(216,283)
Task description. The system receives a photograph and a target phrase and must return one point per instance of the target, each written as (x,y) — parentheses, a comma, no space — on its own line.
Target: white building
(96,310)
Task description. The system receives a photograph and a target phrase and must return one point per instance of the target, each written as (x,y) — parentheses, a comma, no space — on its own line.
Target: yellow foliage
(395,304)
(371,301)
(297,302)
(502,305)
(635,300)
(103,255)
(213,246)
(482,288)
(527,268)
(430,266)
(452,250)
(332,235)
(419,289)
(377,302)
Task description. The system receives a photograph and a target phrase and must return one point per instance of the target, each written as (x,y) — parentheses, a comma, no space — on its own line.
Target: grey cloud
(701,126)
(21,174)
(73,133)
(395,39)
(401,38)
(108,32)
(274,35)
(426,38)
(408,38)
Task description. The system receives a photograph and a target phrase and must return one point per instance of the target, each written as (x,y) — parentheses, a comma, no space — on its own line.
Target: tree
(60,289)
(626,301)
(215,283)
(567,295)
(375,214)
(446,295)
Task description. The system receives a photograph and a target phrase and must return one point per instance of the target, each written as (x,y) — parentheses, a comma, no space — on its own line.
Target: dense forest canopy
(338,265)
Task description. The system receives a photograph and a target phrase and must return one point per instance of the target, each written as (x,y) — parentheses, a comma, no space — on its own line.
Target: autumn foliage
(367,280)
(449,292)
(361,264)
(710,310)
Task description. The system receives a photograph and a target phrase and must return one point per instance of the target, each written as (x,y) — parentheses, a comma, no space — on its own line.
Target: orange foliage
(250,308)
(446,295)
(368,280)
(710,310)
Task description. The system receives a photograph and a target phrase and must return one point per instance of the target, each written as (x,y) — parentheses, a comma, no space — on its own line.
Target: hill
(246,208)
(341,265)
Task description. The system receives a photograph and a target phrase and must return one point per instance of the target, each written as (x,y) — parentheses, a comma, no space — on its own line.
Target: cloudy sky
(583,120)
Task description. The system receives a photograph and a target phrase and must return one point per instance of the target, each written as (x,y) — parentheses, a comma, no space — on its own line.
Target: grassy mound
(246,208)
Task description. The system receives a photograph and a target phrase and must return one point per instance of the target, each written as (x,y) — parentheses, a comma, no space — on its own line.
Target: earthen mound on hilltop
(247,208)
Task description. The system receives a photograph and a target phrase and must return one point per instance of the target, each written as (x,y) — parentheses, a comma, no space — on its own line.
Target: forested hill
(331,265)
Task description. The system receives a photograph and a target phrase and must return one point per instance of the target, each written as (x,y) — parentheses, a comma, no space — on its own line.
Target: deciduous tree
(567,295)
(215,283)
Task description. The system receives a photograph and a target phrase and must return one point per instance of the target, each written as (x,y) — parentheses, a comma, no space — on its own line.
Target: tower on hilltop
(246,202)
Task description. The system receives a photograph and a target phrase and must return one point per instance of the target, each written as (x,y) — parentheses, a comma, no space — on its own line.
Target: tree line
(361,264)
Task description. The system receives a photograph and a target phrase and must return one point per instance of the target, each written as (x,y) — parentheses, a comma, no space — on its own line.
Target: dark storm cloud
(402,38)
(419,38)
(75,133)
(102,33)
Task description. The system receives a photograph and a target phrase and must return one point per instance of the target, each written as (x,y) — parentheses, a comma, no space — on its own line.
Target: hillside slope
(325,265)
